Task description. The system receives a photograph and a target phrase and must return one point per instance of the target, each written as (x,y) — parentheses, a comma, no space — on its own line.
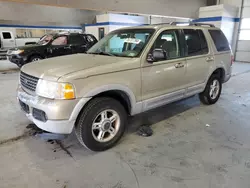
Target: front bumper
(60,114)
(17,59)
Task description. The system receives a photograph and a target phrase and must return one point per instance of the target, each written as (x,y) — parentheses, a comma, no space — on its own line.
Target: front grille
(28,82)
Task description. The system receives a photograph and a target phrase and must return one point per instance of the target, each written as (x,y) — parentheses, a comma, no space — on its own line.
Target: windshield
(45,39)
(123,43)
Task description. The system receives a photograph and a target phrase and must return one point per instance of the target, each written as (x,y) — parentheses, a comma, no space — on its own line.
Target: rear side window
(220,40)
(6,35)
(91,38)
(77,39)
(196,42)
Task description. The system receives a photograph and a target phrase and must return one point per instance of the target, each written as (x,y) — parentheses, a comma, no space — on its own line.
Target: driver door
(60,46)
(164,81)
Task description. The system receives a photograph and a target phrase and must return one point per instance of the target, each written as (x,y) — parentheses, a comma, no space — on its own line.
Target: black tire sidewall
(89,117)
(33,57)
(207,90)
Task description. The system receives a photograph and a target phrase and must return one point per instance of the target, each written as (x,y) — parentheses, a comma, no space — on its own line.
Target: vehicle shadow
(162,113)
(148,118)
(69,147)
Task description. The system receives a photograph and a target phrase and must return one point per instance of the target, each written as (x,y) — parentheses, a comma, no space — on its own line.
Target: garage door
(243,45)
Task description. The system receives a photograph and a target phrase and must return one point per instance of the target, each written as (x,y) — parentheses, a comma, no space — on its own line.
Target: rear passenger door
(77,43)
(198,57)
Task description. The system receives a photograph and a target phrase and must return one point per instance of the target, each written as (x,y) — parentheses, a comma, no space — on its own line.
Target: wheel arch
(119,92)
(220,71)
(35,54)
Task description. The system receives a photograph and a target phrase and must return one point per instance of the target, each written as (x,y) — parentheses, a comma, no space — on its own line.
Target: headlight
(16,52)
(55,90)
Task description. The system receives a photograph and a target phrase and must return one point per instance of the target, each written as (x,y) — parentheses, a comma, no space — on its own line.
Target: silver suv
(128,72)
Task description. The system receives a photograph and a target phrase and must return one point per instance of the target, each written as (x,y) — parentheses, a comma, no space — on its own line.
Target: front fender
(136,107)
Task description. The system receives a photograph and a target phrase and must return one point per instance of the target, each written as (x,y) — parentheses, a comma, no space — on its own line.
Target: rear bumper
(228,76)
(60,114)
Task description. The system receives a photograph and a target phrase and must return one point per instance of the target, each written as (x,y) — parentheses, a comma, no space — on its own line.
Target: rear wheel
(212,92)
(101,124)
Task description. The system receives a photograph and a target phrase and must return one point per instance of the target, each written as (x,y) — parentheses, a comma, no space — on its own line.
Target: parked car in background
(51,45)
(8,40)
(129,71)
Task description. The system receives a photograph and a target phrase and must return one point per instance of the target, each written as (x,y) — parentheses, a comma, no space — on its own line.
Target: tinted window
(77,39)
(204,46)
(6,35)
(220,40)
(196,42)
(62,40)
(169,42)
(91,38)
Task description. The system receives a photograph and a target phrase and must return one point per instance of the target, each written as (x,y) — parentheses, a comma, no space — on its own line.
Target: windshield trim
(152,33)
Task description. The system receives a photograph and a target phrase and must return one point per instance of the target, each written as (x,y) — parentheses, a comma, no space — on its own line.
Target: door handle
(209,59)
(179,65)
(11,40)
(67,47)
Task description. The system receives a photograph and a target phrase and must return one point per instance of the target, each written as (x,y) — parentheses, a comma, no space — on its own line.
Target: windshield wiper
(102,53)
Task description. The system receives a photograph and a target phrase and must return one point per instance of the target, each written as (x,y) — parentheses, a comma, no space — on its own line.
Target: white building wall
(111,22)
(102,18)
(243,31)
(26,14)
(120,18)
(236,3)
(158,20)
(94,30)
(222,16)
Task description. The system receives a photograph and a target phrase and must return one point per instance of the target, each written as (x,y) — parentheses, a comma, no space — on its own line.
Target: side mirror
(157,55)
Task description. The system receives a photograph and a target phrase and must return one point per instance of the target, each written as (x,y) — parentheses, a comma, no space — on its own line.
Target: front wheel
(35,58)
(212,92)
(101,124)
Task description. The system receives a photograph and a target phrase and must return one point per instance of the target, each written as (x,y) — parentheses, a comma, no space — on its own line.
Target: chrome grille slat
(27,86)
(28,76)
(31,77)
(28,82)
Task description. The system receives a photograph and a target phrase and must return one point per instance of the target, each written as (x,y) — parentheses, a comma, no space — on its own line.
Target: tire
(206,97)
(35,58)
(93,112)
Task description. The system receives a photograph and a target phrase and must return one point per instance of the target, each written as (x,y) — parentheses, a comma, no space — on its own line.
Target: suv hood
(27,47)
(54,68)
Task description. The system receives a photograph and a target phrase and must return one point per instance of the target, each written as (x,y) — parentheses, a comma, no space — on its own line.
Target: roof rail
(201,24)
(192,24)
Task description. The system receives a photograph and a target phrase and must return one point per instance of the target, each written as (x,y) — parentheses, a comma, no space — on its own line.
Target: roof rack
(192,24)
